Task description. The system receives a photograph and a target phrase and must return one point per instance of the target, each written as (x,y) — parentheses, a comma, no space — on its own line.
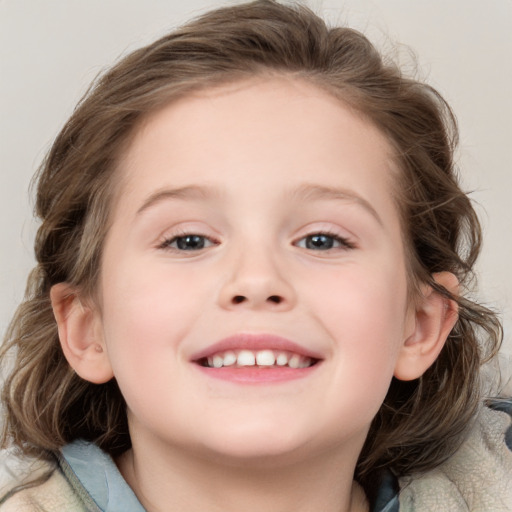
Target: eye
(323,242)
(187,242)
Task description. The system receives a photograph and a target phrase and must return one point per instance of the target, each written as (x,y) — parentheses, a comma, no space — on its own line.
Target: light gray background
(50,50)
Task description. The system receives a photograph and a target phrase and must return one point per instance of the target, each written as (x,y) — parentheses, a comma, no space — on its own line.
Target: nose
(256,281)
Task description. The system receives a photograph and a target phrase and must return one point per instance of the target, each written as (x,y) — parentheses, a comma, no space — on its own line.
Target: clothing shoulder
(29,485)
(477,478)
(82,478)
(53,495)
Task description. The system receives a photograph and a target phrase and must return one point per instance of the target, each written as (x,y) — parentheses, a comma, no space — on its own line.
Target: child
(250,291)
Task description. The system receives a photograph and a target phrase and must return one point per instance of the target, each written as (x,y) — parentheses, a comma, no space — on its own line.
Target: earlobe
(434,318)
(80,334)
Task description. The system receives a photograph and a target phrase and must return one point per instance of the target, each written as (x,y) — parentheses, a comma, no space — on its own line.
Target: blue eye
(323,242)
(189,242)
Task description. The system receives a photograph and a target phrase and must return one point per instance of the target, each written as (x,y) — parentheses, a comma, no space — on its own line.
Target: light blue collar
(96,473)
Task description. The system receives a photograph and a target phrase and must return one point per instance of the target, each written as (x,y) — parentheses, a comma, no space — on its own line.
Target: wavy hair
(421,422)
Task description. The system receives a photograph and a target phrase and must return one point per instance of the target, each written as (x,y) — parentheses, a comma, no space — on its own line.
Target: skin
(252,162)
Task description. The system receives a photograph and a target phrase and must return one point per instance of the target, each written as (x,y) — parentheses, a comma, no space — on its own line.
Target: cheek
(364,311)
(146,309)
(366,320)
(145,320)
(367,297)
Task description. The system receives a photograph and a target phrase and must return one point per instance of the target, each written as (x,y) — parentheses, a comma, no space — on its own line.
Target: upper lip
(255,342)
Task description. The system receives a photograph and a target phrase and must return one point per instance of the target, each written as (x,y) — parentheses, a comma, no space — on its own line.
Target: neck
(172,481)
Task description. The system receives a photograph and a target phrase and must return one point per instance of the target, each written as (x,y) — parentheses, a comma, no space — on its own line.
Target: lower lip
(255,375)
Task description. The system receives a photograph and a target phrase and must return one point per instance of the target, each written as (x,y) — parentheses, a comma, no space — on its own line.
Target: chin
(258,445)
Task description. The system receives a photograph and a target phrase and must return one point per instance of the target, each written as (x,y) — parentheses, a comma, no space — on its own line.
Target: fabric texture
(43,489)
(81,479)
(478,478)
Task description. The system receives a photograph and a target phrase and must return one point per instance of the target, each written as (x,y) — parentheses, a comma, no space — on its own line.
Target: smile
(266,358)
(249,358)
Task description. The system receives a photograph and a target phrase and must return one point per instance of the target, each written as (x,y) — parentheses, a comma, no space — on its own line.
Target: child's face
(250,213)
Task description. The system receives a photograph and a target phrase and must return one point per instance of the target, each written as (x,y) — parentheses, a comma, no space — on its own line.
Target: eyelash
(343,243)
(166,243)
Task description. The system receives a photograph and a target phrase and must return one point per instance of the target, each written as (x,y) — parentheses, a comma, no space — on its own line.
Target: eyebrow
(319,192)
(185,193)
(303,193)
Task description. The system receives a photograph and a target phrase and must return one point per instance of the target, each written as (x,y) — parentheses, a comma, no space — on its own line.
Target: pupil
(322,242)
(190,242)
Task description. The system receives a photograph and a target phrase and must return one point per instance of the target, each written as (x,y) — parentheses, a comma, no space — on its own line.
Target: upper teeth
(263,358)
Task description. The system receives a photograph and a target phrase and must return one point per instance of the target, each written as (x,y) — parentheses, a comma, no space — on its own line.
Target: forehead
(255,132)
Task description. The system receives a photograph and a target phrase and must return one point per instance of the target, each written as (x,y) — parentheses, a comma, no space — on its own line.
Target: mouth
(253,358)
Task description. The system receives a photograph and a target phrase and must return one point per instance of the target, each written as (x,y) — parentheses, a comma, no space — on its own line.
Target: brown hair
(420,422)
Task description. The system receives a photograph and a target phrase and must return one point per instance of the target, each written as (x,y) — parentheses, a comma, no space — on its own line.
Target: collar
(95,477)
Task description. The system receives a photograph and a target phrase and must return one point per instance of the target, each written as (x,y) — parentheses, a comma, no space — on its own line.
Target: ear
(432,322)
(80,334)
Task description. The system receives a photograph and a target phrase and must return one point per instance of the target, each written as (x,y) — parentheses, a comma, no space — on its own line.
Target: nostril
(275,299)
